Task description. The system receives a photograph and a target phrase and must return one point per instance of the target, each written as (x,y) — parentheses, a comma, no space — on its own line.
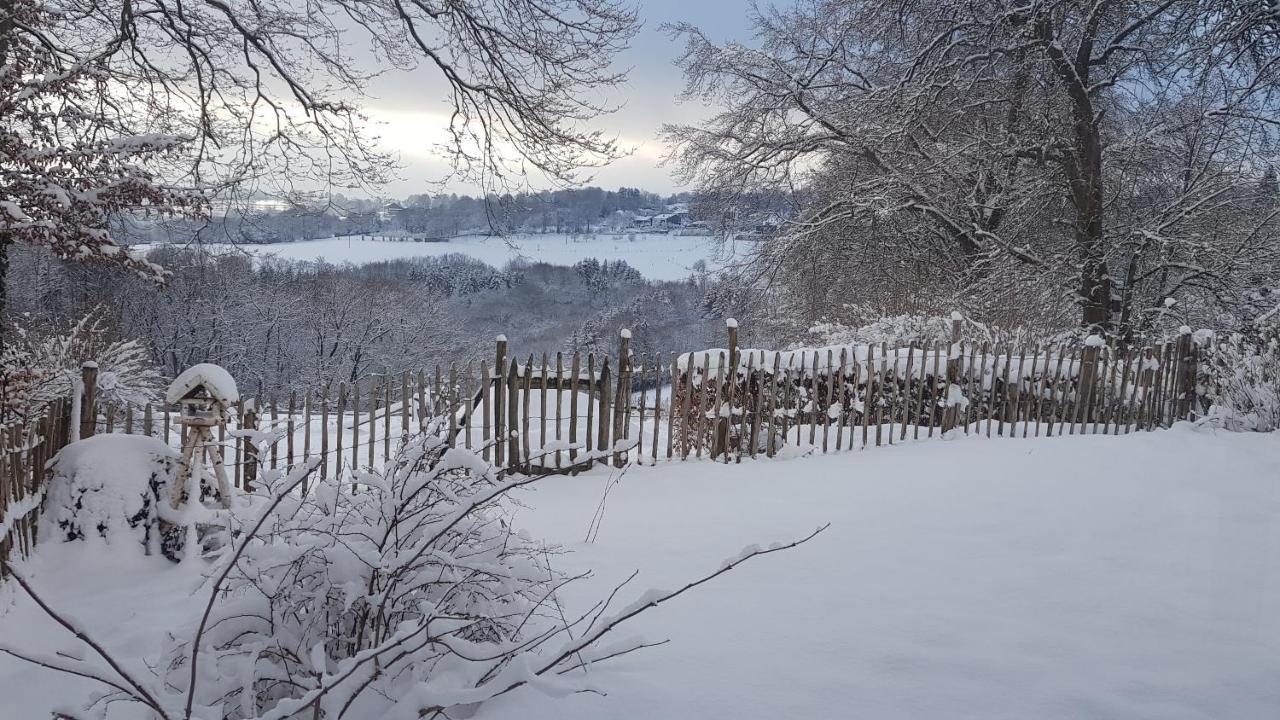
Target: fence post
(622,398)
(513,415)
(1088,378)
(499,407)
(720,442)
(603,420)
(950,413)
(250,422)
(88,406)
(732,326)
(1186,374)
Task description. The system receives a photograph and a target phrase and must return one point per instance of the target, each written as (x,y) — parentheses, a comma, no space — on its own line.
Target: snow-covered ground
(1092,576)
(1101,577)
(656,256)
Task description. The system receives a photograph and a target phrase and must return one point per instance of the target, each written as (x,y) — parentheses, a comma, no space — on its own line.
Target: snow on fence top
(216,381)
(858,359)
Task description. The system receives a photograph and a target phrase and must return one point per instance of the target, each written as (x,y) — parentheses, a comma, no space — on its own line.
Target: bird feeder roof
(212,379)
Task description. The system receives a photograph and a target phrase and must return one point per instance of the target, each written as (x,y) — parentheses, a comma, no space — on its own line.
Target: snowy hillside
(656,256)
(1092,576)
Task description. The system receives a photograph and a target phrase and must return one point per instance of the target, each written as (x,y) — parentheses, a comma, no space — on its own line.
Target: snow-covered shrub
(1239,379)
(419,565)
(35,371)
(861,326)
(409,596)
(109,487)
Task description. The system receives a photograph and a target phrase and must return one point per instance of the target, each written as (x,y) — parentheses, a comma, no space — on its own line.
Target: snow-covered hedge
(895,330)
(1061,381)
(1240,381)
(862,325)
(108,487)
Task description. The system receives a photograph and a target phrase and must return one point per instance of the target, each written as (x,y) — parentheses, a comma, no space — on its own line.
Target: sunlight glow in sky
(411,118)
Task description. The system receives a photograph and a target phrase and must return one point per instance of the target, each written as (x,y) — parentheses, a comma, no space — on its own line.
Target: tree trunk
(1083,168)
(1086,195)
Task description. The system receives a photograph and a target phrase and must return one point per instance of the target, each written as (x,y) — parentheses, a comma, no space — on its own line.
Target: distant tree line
(426,216)
(282,325)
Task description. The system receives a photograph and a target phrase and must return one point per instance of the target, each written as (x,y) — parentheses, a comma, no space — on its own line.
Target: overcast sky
(410,109)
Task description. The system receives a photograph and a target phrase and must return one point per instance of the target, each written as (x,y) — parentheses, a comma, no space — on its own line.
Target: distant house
(769,225)
(675,216)
(390,211)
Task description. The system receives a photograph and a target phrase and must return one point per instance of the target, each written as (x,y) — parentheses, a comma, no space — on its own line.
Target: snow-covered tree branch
(1111,154)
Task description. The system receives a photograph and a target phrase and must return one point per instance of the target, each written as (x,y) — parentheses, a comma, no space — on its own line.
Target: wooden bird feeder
(205,393)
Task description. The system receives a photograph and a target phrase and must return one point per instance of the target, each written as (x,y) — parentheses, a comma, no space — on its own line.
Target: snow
(655,256)
(106,487)
(624,333)
(1093,576)
(216,380)
(731,323)
(1129,576)
(19,509)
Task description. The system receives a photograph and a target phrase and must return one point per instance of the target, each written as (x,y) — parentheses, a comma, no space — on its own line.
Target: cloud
(415,136)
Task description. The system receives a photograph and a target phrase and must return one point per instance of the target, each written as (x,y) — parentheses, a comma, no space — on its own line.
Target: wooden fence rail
(562,413)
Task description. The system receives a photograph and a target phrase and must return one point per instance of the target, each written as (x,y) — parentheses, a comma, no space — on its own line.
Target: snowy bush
(108,487)
(862,326)
(35,371)
(418,566)
(1240,381)
(409,596)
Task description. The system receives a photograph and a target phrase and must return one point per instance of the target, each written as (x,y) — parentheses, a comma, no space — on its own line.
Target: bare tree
(163,106)
(1066,138)
(67,159)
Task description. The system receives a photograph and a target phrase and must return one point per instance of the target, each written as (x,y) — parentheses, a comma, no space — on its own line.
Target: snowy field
(1080,577)
(656,256)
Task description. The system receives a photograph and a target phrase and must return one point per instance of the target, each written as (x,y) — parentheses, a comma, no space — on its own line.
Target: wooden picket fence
(25,448)
(564,412)
(746,402)
(567,412)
